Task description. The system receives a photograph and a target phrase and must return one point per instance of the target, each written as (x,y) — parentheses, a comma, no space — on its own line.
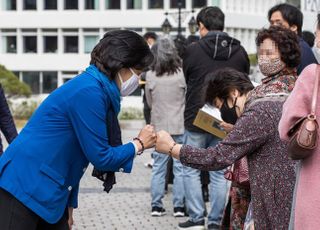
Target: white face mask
(130,85)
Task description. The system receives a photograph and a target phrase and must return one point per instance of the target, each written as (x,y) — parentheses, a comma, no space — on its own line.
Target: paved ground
(127,206)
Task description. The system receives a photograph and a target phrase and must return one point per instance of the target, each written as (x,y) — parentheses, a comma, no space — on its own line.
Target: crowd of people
(39,186)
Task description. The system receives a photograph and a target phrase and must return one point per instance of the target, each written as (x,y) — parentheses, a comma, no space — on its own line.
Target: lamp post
(166,26)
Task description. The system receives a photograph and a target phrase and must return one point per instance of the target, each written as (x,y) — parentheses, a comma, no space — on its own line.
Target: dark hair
(121,49)
(166,58)
(287,42)
(150,34)
(181,44)
(318,23)
(308,37)
(221,82)
(212,18)
(290,14)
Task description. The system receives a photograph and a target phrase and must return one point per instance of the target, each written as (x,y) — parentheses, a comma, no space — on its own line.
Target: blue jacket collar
(109,86)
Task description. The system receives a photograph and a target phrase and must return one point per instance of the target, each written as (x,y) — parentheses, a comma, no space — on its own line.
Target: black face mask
(229,115)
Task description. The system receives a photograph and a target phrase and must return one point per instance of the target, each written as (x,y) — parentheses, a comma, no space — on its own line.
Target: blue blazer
(43,166)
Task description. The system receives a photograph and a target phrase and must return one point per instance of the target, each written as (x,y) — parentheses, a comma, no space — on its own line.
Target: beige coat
(166,98)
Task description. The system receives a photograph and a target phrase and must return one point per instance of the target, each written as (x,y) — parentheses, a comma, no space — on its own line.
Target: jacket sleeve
(148,92)
(298,103)
(251,131)
(186,63)
(73,198)
(87,113)
(7,125)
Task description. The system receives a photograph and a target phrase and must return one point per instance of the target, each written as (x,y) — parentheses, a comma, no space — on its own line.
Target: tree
(11,84)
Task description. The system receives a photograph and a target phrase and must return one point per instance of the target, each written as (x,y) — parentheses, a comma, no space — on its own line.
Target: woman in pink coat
(305,212)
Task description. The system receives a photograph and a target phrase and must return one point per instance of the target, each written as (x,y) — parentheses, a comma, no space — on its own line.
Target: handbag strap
(315,91)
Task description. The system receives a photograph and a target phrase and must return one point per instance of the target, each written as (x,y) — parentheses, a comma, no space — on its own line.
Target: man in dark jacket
(291,17)
(215,50)
(7,125)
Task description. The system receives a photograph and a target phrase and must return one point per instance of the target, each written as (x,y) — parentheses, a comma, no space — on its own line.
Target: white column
(166,5)
(19,41)
(19,5)
(123,5)
(40,5)
(81,41)
(81,5)
(60,5)
(60,42)
(101,33)
(39,41)
(102,5)
(60,81)
(144,5)
(188,4)
(41,83)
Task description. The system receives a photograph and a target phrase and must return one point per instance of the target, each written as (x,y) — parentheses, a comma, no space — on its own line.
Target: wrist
(139,144)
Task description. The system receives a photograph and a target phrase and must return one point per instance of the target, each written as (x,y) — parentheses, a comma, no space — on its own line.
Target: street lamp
(166,26)
(193,27)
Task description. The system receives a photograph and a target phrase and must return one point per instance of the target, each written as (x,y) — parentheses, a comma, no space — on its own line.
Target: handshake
(162,140)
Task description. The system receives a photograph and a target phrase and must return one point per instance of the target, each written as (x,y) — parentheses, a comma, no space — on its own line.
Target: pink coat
(298,104)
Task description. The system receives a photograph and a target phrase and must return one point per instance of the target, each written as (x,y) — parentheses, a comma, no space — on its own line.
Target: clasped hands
(162,140)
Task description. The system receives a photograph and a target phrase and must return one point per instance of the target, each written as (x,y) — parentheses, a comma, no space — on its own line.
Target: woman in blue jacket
(77,124)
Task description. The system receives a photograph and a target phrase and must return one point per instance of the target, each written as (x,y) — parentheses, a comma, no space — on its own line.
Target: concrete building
(47,42)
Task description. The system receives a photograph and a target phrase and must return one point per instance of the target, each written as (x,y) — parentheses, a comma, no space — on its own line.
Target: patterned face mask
(270,66)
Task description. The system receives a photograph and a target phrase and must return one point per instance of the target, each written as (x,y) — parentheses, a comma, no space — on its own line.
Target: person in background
(316,47)
(308,37)
(215,50)
(76,124)
(150,38)
(7,125)
(291,17)
(305,213)
(165,93)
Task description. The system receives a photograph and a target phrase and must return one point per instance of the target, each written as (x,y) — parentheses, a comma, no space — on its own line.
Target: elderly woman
(77,124)
(255,133)
(165,92)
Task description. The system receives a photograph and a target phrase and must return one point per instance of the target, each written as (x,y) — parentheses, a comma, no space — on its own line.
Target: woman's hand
(164,142)
(148,137)
(70,220)
(226,126)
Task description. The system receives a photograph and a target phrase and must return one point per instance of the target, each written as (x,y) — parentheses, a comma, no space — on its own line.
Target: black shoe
(189,225)
(156,211)
(178,212)
(213,227)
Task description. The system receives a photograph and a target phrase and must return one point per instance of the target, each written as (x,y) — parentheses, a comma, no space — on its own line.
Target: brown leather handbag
(239,173)
(304,133)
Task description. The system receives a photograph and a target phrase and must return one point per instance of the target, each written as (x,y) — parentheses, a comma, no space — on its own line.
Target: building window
(71,44)
(30,4)
(50,4)
(50,81)
(134,4)
(10,4)
(10,44)
(174,3)
(91,4)
(199,3)
(90,42)
(70,4)
(155,4)
(50,44)
(30,44)
(33,80)
(112,4)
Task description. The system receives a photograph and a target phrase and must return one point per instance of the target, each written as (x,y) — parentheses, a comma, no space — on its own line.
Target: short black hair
(287,42)
(181,44)
(221,82)
(290,14)
(150,34)
(121,49)
(212,18)
(308,37)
